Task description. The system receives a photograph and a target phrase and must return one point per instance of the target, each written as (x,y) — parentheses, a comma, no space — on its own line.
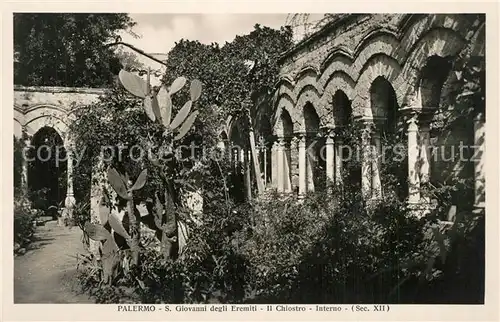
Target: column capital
(411,111)
(300,134)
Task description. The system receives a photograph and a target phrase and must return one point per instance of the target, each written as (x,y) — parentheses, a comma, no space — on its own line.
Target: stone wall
(370,58)
(36,107)
(350,53)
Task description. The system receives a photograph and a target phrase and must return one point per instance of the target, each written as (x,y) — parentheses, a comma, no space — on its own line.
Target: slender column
(310,165)
(478,158)
(302,166)
(338,159)
(293,163)
(248,175)
(274,164)
(69,202)
(281,165)
(24,178)
(287,157)
(425,151)
(330,158)
(264,153)
(70,197)
(376,166)
(413,156)
(366,164)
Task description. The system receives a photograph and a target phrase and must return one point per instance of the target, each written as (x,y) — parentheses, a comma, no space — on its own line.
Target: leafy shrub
(24,217)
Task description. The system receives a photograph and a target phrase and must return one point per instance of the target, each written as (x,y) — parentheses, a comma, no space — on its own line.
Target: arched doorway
(290,179)
(445,131)
(350,166)
(47,169)
(390,163)
(315,164)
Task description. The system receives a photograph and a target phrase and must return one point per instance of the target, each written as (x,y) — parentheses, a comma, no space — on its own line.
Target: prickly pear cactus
(158,107)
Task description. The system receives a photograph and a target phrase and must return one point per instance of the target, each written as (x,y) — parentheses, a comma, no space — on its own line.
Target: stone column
(425,150)
(274,164)
(70,201)
(310,165)
(376,166)
(24,175)
(264,154)
(478,158)
(294,163)
(247,157)
(287,188)
(413,157)
(280,155)
(338,159)
(330,158)
(302,166)
(366,164)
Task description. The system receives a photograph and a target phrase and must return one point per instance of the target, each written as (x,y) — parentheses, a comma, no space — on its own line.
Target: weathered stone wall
(36,107)
(369,58)
(349,54)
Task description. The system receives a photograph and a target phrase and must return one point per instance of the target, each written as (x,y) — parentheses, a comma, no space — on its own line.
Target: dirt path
(46,273)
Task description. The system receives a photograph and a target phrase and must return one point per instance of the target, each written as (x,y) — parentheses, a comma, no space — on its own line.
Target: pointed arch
(308,95)
(308,78)
(380,65)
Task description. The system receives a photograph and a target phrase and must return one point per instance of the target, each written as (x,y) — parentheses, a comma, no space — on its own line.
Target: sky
(159,32)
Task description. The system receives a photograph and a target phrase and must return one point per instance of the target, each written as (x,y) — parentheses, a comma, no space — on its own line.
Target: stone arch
(312,121)
(340,51)
(285,85)
(414,28)
(37,123)
(18,122)
(306,78)
(337,62)
(383,104)
(341,109)
(47,166)
(38,116)
(309,95)
(314,160)
(340,81)
(234,132)
(385,35)
(436,42)
(432,77)
(378,42)
(285,102)
(380,65)
(285,125)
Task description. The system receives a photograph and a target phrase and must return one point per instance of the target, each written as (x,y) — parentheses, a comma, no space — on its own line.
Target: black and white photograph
(249,162)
